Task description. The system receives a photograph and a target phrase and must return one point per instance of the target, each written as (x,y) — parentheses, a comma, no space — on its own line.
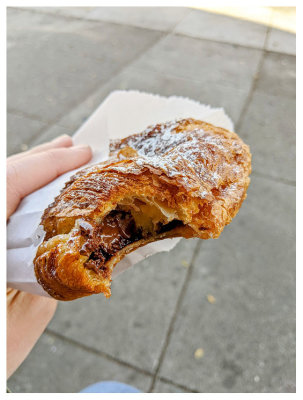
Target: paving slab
(133,323)
(201,60)
(20,131)
(247,328)
(277,76)
(205,25)
(269,128)
(56,366)
(53,65)
(281,41)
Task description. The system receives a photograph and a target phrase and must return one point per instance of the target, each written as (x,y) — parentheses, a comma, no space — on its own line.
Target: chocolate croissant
(183,178)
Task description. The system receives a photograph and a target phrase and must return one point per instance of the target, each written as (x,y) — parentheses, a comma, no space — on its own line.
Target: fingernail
(60,138)
(81,147)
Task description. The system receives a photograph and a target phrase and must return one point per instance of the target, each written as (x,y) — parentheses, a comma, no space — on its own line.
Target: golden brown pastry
(182,178)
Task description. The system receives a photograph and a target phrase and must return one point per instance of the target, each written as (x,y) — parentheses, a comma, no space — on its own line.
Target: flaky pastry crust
(183,178)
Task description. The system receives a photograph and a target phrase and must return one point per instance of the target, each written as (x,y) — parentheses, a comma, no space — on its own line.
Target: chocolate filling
(116,231)
(170,226)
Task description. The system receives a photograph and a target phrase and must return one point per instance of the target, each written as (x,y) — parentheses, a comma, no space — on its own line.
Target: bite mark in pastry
(183,178)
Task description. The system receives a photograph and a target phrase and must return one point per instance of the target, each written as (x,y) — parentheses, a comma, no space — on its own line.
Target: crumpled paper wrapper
(122,113)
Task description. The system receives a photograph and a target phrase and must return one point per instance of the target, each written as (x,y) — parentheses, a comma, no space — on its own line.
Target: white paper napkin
(122,113)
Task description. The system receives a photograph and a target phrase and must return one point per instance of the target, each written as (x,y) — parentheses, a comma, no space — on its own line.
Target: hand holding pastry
(28,314)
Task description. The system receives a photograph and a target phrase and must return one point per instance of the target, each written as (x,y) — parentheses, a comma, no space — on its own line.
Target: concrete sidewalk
(234,297)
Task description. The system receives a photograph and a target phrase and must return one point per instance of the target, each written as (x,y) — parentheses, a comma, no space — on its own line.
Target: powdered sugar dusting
(183,149)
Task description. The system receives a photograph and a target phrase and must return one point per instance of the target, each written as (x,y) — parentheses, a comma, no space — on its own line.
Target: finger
(30,173)
(61,141)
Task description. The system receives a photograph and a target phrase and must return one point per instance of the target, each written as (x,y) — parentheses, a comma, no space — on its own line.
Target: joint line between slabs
(178,385)
(254,84)
(120,70)
(174,316)
(96,352)
(34,10)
